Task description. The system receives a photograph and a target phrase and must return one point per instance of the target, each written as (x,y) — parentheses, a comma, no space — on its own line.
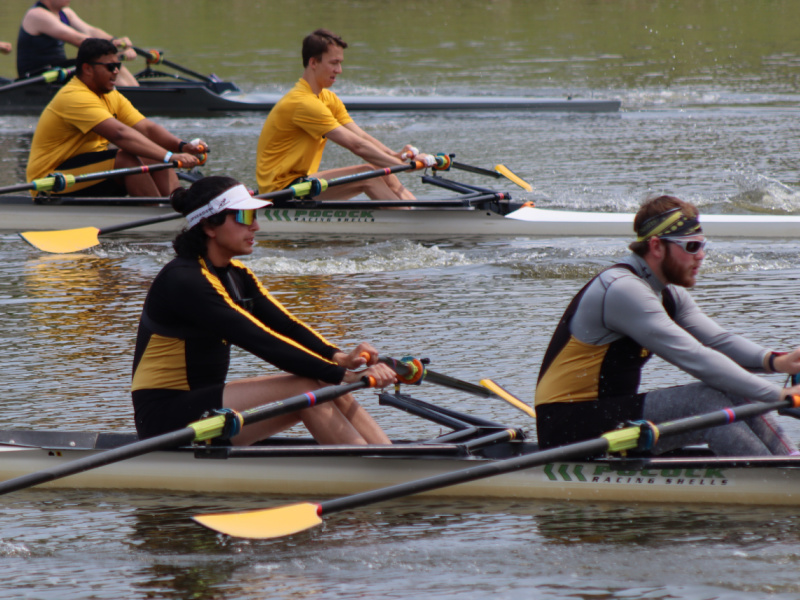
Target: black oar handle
(200,430)
(615,441)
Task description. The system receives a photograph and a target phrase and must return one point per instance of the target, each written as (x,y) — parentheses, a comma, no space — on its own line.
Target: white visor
(235,198)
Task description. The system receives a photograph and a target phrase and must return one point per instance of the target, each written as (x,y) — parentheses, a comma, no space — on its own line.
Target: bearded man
(590,374)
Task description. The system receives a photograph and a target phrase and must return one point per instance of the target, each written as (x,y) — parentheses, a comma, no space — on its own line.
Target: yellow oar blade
(509,174)
(508,397)
(265,523)
(61,242)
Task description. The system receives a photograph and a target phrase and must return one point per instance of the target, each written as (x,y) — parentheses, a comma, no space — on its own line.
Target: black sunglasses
(112,66)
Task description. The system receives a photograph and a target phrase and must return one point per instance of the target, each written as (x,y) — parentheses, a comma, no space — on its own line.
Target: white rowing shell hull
(525,221)
(416,222)
(774,481)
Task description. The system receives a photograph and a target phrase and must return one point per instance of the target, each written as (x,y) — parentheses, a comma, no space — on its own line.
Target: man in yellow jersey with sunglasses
(590,374)
(86,115)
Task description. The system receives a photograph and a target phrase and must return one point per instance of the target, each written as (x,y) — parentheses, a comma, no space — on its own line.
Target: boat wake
(391,255)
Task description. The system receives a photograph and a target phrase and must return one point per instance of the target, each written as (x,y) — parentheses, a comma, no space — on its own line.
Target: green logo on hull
(318,215)
(601,473)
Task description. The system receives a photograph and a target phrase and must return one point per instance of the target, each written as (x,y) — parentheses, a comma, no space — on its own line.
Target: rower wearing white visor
(590,374)
(203,302)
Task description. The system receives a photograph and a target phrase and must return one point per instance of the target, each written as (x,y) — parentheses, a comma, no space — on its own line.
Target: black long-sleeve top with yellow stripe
(194,312)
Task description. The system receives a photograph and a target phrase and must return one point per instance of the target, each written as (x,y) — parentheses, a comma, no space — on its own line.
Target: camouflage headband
(672,223)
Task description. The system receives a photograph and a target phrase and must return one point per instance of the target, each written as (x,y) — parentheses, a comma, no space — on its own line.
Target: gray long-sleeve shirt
(618,304)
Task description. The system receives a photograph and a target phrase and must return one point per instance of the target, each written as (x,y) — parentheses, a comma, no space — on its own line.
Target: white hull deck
(421,221)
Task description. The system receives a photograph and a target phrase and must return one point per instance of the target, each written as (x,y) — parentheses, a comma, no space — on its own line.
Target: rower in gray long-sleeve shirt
(590,375)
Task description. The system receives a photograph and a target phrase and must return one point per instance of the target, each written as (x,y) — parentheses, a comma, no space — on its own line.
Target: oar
(314,187)
(74,240)
(54,76)
(154,57)
(205,429)
(499,172)
(294,518)
(412,371)
(503,393)
(60,181)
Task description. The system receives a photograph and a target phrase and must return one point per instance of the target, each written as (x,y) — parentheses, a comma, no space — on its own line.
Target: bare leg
(361,420)
(126,78)
(325,422)
(145,184)
(378,188)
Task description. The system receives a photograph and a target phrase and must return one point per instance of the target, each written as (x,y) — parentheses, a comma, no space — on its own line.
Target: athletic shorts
(561,423)
(161,411)
(92,162)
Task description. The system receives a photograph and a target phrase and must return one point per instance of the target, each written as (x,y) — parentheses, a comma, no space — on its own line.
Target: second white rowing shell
(525,221)
(363,220)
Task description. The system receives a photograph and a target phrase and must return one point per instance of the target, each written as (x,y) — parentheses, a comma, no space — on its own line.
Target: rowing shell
(299,467)
(198,99)
(427,218)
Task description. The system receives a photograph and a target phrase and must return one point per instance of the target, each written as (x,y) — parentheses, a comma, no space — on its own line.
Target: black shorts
(161,411)
(92,162)
(563,423)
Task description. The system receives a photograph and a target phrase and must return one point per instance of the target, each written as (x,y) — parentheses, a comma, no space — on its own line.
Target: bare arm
(364,147)
(364,135)
(137,141)
(40,21)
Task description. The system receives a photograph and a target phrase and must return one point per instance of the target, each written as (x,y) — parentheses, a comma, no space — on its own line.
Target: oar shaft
(47,183)
(143,223)
(305,188)
(172,439)
(618,440)
(491,469)
(53,76)
(402,368)
(161,60)
(477,170)
(200,430)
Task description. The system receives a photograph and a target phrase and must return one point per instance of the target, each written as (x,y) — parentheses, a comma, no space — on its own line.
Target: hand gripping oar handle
(204,429)
(293,518)
(54,76)
(59,181)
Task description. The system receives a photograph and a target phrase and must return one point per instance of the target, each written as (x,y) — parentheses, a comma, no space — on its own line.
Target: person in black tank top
(47,26)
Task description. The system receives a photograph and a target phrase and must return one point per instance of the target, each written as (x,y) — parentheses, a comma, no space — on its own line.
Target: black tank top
(36,53)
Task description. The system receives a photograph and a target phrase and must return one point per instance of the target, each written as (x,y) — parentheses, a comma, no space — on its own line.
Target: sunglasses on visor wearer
(111,66)
(689,246)
(244,217)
